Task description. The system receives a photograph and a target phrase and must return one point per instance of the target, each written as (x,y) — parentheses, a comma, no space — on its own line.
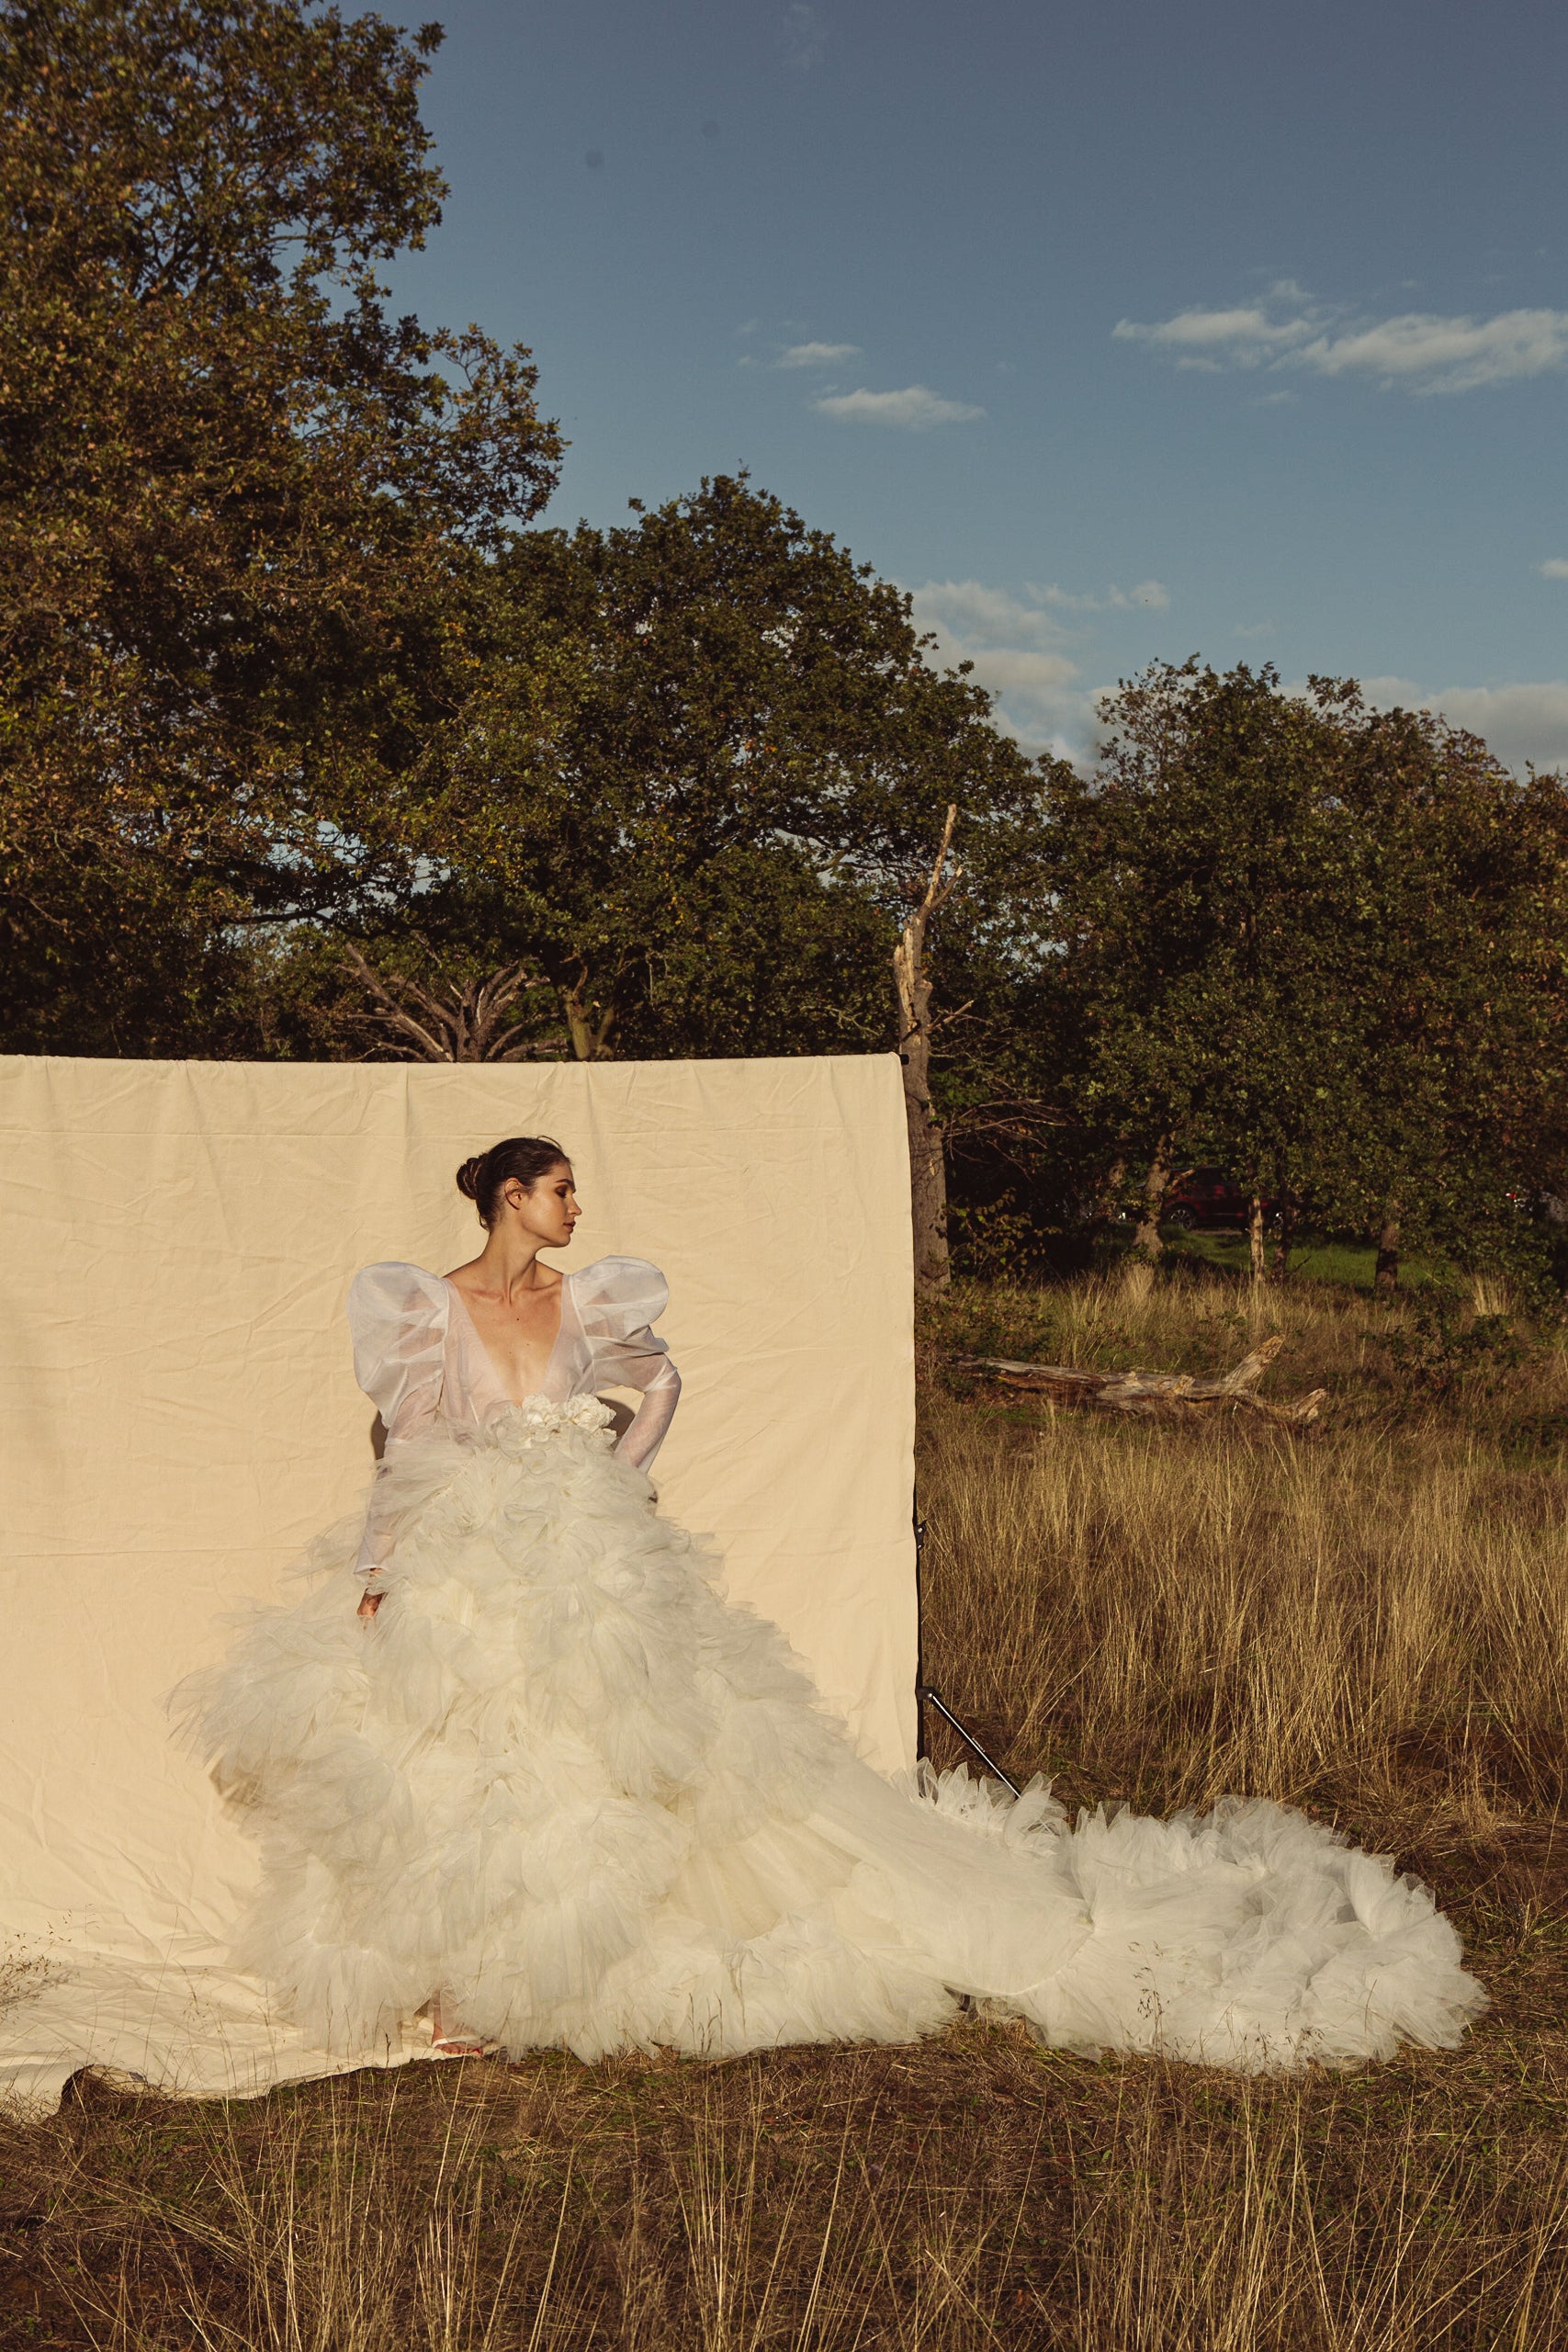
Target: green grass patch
(1314,1258)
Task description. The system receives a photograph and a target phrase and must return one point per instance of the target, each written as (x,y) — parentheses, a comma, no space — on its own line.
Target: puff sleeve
(617,1299)
(397,1318)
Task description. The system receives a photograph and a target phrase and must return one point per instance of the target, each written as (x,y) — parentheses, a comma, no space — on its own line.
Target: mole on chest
(519,1338)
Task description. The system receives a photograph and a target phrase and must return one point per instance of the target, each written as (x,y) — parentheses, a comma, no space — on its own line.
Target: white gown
(560,1779)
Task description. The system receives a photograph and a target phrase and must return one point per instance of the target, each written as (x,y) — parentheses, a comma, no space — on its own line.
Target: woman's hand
(369,1604)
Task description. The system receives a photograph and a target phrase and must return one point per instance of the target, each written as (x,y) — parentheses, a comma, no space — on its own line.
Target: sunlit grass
(1314,1257)
(1372,1622)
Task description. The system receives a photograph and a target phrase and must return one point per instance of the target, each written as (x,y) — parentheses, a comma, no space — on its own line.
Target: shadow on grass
(1314,1258)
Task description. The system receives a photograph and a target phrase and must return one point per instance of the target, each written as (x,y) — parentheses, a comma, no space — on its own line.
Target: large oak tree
(236,496)
(702,768)
(1319,943)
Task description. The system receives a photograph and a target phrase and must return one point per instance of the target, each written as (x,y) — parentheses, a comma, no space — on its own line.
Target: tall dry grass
(1176,1612)
(1374,1617)
(1372,1623)
(974,2192)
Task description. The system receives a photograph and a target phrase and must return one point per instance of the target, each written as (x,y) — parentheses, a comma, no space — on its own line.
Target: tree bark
(928,1165)
(468,1021)
(1111,1191)
(1174,1395)
(1386,1277)
(1258,1248)
(588,1022)
(1146,1241)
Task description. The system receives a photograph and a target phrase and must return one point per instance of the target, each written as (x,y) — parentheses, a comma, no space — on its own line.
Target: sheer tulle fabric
(418,1356)
(560,1778)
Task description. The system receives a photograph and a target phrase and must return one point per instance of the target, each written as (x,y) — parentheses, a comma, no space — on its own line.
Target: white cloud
(913,410)
(1435,354)
(1255,628)
(1026,651)
(1418,350)
(818,355)
(1244,336)
(1554,568)
(803,39)
(968,609)
(1017,652)
(1521,723)
(1035,679)
(1150,596)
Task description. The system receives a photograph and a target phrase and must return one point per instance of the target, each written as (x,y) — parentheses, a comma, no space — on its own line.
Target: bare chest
(519,1337)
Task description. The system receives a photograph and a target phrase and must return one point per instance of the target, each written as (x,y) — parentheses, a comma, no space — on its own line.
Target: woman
(534,1777)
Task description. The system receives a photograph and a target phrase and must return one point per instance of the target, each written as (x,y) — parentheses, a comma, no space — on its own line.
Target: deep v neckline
(490,1364)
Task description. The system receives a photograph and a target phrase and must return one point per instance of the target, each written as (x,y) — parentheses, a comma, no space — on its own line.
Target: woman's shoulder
(395,1292)
(617,1294)
(398,1322)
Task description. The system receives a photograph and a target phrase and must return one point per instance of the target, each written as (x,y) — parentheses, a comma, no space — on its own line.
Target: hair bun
(517,1159)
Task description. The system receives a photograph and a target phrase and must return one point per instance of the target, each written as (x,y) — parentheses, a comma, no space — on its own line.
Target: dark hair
(523,1159)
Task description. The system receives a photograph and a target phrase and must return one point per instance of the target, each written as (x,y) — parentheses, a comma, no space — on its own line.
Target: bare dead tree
(1162,1396)
(928,1170)
(470,1022)
(1146,1238)
(1257,1241)
(1012,1125)
(588,1021)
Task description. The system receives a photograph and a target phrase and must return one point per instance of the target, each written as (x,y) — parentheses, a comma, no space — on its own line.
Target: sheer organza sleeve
(396,1319)
(616,1300)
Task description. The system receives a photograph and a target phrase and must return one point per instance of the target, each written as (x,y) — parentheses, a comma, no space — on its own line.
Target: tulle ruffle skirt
(559,1779)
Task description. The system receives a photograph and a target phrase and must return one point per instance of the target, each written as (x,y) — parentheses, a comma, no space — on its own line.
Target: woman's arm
(617,1301)
(642,1362)
(398,1318)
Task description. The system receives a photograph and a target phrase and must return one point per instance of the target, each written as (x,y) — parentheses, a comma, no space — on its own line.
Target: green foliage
(234,494)
(699,767)
(1455,963)
(1320,944)
(1195,883)
(287,668)
(1440,1349)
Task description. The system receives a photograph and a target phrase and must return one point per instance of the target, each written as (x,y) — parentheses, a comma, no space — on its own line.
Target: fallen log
(1161,1395)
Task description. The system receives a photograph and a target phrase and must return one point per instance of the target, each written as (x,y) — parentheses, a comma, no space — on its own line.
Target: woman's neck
(508,1263)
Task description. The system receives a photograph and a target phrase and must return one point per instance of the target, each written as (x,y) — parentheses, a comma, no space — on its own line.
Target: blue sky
(1114,331)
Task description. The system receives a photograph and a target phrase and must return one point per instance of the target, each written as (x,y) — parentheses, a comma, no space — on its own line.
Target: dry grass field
(1372,1621)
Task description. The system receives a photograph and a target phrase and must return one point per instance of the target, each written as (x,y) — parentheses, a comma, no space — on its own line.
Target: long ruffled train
(558,1776)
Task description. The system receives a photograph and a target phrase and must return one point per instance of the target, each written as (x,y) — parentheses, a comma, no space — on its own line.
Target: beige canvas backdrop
(180,1417)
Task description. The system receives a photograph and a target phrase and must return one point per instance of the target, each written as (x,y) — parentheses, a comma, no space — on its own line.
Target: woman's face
(547,1209)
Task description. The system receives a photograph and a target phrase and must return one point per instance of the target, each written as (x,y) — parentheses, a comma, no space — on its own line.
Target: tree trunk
(469,1021)
(1109,1193)
(1146,1241)
(928,1165)
(588,1022)
(1258,1248)
(1287,1233)
(1386,1277)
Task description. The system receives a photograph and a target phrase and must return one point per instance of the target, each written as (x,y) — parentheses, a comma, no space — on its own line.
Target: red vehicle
(1206,1196)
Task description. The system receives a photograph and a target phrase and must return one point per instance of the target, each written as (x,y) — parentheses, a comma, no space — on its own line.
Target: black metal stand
(923,1689)
(968,1737)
